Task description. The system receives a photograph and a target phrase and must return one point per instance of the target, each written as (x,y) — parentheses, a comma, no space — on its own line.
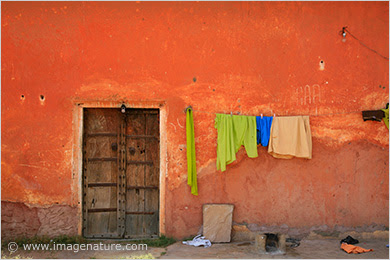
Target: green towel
(191,159)
(386,118)
(234,131)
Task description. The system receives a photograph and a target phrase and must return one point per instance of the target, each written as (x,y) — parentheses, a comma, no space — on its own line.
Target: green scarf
(191,159)
(386,118)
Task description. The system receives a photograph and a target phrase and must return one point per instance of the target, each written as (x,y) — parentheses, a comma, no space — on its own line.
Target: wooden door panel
(134,226)
(134,200)
(102,147)
(101,197)
(121,197)
(135,194)
(102,120)
(136,123)
(152,125)
(102,172)
(102,224)
(135,150)
(101,130)
(152,174)
(142,178)
(135,174)
(151,207)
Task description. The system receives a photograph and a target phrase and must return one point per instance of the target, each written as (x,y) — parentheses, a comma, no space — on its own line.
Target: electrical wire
(312,115)
(345,29)
(331,114)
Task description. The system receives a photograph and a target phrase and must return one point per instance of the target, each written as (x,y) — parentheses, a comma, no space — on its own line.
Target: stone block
(282,243)
(242,233)
(217,222)
(260,240)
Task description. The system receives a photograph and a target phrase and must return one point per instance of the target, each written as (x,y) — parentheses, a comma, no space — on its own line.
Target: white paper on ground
(198,241)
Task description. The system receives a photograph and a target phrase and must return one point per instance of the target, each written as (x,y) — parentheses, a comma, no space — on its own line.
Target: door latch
(131,150)
(114,146)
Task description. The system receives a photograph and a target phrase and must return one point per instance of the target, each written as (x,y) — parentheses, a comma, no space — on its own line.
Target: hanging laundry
(263,126)
(373,115)
(234,131)
(354,249)
(290,137)
(386,117)
(191,159)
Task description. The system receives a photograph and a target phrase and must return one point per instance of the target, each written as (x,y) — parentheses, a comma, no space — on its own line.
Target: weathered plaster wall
(251,57)
(18,220)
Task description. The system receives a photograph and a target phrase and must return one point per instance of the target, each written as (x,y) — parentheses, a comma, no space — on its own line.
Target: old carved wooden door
(121,173)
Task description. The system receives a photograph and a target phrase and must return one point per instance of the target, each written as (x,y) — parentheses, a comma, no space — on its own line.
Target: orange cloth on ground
(354,249)
(290,137)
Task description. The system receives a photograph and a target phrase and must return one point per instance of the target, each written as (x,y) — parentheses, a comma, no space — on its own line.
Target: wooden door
(142,174)
(120,173)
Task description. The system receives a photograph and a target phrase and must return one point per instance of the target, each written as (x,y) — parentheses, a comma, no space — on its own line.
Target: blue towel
(263,126)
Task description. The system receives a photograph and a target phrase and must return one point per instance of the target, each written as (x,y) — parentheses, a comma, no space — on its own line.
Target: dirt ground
(314,249)
(308,249)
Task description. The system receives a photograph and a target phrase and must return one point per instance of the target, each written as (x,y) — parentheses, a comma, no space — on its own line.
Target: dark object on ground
(294,242)
(272,242)
(349,240)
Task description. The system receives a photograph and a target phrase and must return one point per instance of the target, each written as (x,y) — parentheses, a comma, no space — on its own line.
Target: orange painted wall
(251,57)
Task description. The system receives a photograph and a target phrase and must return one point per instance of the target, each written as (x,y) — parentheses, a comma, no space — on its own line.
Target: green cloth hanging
(233,132)
(191,159)
(386,118)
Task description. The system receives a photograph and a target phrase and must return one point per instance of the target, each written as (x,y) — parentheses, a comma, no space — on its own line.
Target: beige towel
(290,137)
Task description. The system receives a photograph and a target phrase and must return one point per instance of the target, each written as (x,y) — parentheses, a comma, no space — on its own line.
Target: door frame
(77,151)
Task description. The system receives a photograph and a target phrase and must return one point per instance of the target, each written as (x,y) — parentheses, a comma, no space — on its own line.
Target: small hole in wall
(22,97)
(42,97)
(322,65)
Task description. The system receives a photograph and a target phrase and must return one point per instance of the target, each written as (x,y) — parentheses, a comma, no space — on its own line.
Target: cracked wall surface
(19,220)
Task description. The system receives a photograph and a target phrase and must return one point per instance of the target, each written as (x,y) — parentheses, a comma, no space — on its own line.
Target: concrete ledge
(247,232)
(376,235)
(242,233)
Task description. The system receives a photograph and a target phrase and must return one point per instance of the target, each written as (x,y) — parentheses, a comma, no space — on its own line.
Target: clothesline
(239,113)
